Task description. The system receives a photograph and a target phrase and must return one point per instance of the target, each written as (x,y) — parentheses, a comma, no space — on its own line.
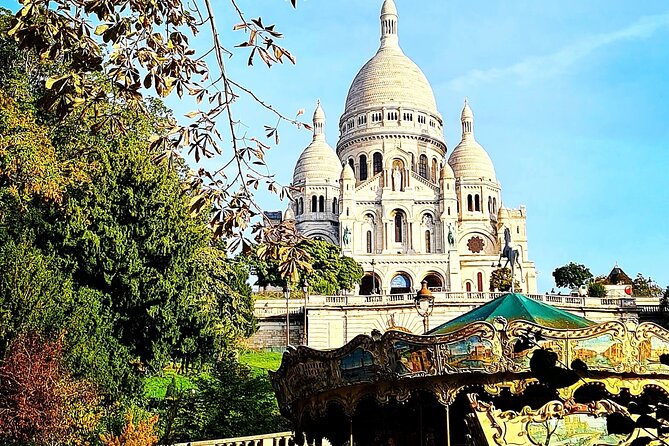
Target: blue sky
(571,101)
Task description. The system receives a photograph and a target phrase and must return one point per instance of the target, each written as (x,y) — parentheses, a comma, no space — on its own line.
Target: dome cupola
(469,159)
(318,163)
(390,77)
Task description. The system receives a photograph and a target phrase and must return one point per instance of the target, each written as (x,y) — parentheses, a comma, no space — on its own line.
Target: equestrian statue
(512,256)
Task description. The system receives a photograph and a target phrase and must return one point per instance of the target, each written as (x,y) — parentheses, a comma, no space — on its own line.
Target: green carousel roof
(514,306)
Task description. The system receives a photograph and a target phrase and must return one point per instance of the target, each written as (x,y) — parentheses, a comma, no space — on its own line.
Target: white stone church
(393,197)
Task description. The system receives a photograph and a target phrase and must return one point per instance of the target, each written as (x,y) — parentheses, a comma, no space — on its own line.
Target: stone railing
(268,308)
(277,307)
(277,439)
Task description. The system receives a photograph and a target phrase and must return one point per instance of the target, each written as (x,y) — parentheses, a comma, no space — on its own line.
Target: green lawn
(156,386)
(261,360)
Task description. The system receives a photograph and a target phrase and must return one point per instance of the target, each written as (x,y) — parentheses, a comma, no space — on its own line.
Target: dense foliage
(571,275)
(328,272)
(500,280)
(106,273)
(642,286)
(596,289)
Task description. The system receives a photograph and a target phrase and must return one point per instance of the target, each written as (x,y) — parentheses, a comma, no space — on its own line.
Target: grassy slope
(156,386)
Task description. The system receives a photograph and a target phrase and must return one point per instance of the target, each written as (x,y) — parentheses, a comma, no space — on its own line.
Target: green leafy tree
(642,286)
(232,401)
(328,271)
(571,275)
(500,280)
(142,48)
(596,289)
(118,229)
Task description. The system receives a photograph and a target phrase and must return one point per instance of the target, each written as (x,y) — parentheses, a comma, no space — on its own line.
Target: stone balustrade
(276,439)
(277,307)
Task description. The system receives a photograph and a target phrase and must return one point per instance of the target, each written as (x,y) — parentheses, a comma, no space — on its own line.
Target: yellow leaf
(100,29)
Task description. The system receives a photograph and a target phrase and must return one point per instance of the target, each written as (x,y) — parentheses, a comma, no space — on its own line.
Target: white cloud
(556,63)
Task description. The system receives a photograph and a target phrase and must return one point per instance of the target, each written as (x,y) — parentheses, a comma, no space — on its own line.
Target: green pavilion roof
(514,306)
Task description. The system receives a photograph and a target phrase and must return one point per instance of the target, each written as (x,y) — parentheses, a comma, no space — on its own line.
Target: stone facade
(389,196)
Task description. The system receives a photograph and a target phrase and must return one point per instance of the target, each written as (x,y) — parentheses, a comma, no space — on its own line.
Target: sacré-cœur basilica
(391,191)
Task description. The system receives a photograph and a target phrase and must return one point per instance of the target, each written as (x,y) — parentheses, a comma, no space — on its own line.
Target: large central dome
(390,77)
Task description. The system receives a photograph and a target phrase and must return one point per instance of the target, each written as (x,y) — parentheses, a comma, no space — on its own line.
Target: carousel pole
(350,431)
(448,425)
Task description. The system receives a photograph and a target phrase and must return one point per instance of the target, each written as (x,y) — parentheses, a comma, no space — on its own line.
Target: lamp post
(424,305)
(286,294)
(373,263)
(305,289)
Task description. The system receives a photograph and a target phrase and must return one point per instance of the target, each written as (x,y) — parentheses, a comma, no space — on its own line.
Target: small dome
(388,8)
(319,114)
(318,163)
(289,214)
(446,172)
(466,111)
(469,159)
(503,213)
(347,173)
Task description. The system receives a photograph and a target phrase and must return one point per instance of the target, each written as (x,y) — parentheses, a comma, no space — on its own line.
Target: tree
(232,401)
(596,289)
(571,275)
(40,402)
(36,297)
(122,242)
(642,286)
(135,433)
(327,273)
(141,48)
(500,280)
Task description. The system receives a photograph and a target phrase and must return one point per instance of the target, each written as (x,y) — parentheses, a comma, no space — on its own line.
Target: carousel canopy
(514,306)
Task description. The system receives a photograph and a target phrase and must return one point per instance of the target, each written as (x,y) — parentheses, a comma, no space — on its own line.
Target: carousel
(511,372)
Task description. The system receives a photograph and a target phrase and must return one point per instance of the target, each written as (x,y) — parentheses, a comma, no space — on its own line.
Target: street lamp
(286,294)
(373,263)
(305,289)
(424,305)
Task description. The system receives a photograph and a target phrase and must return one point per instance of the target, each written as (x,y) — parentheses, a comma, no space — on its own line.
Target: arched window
(428,242)
(369,242)
(479,282)
(377,163)
(433,173)
(363,167)
(470,203)
(301,207)
(422,166)
(490,205)
(494,205)
(468,287)
(314,201)
(321,204)
(352,164)
(477,203)
(334,206)
(449,210)
(399,223)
